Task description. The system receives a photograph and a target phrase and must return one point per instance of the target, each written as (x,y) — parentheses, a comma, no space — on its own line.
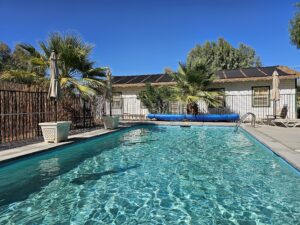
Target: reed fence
(23,107)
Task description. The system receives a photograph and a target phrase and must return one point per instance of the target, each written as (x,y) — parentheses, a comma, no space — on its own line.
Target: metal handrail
(243,118)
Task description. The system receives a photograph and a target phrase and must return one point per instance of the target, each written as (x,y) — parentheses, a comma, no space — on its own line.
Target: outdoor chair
(279,117)
(269,119)
(282,119)
(286,122)
(293,123)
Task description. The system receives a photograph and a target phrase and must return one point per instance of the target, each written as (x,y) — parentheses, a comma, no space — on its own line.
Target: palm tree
(192,85)
(77,72)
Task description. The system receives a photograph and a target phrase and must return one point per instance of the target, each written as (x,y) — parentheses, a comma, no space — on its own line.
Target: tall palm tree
(192,85)
(77,72)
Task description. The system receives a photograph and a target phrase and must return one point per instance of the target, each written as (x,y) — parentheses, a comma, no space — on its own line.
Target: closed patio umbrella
(109,90)
(275,94)
(54,89)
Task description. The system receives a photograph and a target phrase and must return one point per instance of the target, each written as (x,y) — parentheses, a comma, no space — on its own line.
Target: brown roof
(237,75)
(255,74)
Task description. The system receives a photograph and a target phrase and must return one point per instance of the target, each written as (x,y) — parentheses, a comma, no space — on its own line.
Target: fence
(22,111)
(130,108)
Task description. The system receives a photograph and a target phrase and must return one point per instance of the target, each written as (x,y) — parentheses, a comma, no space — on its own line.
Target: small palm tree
(77,72)
(192,85)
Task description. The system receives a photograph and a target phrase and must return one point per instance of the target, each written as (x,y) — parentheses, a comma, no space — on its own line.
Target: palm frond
(38,62)
(29,49)
(95,73)
(80,86)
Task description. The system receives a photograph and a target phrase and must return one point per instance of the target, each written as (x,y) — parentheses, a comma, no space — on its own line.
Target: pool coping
(41,147)
(283,151)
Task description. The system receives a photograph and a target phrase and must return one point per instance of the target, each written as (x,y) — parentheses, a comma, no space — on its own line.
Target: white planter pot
(55,131)
(110,122)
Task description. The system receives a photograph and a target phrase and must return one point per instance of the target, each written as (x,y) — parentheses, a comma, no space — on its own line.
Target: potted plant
(110,122)
(55,131)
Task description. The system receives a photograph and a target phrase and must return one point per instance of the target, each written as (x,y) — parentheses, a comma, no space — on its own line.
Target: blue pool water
(153,175)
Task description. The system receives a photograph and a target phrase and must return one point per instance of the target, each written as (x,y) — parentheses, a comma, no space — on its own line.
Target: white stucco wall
(238,99)
(131,105)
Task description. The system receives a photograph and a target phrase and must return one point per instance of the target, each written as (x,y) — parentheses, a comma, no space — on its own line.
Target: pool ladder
(243,118)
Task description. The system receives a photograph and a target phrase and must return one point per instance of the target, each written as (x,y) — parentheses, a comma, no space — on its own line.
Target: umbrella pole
(110,105)
(109,84)
(55,108)
(274,109)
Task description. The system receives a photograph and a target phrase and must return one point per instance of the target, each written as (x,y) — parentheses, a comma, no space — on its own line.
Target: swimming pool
(153,175)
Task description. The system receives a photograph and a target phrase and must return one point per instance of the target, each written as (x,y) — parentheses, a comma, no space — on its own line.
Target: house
(245,90)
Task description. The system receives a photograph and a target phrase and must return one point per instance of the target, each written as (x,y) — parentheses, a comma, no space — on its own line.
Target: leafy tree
(23,77)
(5,56)
(221,55)
(22,60)
(295,28)
(192,81)
(156,99)
(16,67)
(247,57)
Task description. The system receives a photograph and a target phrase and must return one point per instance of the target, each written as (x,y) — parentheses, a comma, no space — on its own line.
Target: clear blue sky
(145,36)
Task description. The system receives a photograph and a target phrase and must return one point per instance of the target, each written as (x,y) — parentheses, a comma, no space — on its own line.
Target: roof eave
(228,80)
(231,80)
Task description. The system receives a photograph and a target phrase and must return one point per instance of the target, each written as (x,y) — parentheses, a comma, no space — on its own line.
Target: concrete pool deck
(285,142)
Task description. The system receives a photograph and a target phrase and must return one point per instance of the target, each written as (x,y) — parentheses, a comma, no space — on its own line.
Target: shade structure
(275,94)
(54,89)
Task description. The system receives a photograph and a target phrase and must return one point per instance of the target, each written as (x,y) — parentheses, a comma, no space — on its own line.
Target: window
(220,98)
(117,100)
(261,96)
